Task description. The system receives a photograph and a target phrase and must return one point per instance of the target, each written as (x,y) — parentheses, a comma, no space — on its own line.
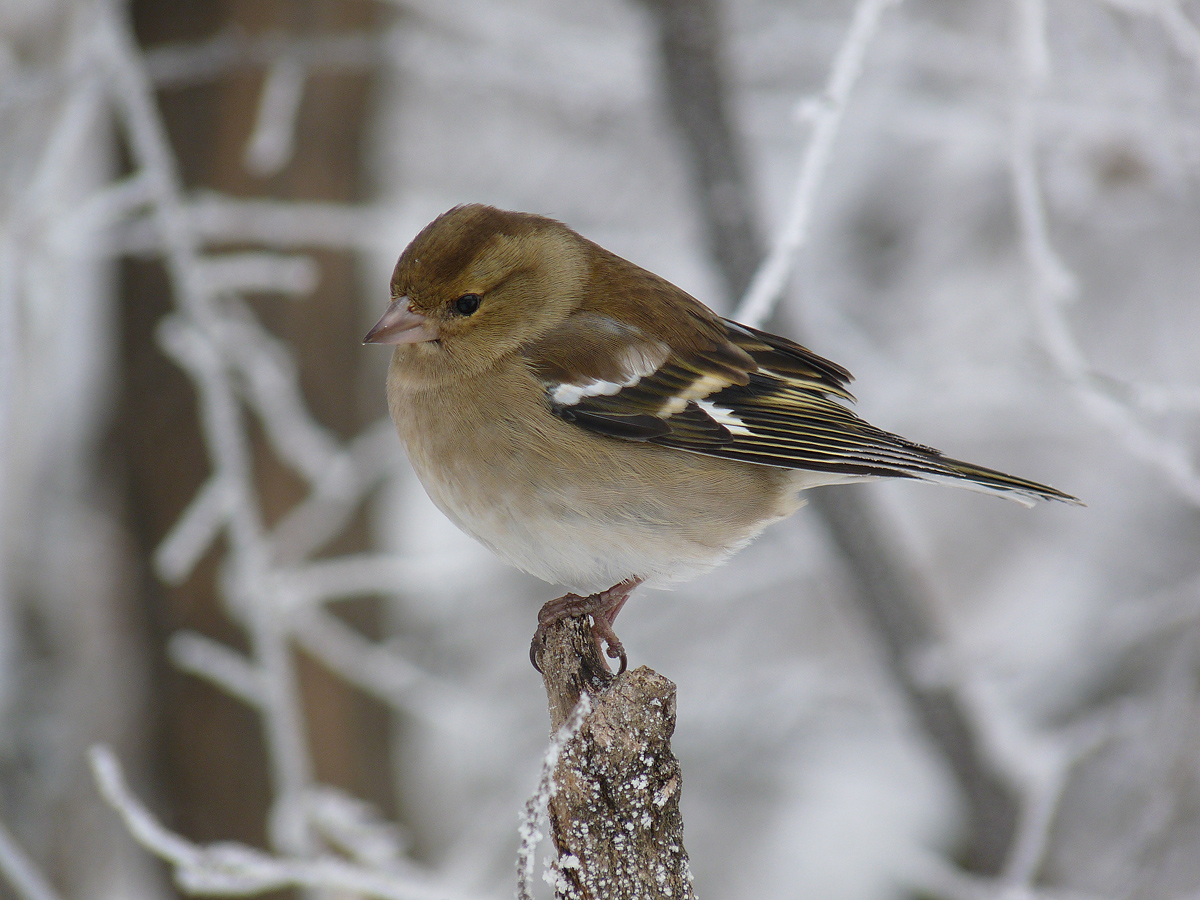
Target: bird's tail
(944,470)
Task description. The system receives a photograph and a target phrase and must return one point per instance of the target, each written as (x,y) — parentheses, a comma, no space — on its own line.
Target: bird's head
(476,284)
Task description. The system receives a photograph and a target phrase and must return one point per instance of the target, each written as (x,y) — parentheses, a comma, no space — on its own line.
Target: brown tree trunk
(212,764)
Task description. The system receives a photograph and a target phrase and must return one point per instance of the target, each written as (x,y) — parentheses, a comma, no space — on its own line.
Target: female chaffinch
(595,425)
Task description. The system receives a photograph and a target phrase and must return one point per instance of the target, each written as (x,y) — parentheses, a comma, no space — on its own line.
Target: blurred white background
(216,562)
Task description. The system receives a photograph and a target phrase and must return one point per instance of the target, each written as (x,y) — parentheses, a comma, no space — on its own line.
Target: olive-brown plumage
(594,424)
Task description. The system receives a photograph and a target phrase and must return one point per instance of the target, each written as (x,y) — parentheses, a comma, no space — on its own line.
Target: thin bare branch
(20,872)
(237,869)
(826,114)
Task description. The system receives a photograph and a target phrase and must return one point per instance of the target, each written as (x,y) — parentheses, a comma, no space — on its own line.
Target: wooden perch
(614,816)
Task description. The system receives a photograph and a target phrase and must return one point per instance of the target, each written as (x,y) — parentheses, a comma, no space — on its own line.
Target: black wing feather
(760,398)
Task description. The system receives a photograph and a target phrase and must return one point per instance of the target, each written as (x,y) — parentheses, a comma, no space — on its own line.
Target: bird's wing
(740,394)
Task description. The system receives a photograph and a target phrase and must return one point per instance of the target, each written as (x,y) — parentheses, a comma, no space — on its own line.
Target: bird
(598,427)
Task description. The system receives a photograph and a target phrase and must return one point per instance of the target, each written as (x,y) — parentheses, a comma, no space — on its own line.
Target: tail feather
(944,470)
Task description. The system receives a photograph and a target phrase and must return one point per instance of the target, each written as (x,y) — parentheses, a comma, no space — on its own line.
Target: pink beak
(400,325)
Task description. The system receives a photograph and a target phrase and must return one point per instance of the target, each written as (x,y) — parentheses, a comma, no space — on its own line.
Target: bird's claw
(608,643)
(600,609)
(606,639)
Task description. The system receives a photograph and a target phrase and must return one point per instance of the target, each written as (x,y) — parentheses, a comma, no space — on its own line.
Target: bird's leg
(602,608)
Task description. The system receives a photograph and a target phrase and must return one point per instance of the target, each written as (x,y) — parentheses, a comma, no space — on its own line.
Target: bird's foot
(602,608)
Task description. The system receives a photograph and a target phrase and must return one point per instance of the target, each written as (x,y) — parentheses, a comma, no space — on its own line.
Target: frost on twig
(1053,286)
(230,868)
(271,145)
(539,802)
(889,589)
(241,371)
(18,870)
(826,115)
(614,810)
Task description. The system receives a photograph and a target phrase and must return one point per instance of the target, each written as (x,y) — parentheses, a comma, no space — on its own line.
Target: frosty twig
(826,114)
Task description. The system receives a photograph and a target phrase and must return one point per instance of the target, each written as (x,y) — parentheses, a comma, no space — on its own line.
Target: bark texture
(615,814)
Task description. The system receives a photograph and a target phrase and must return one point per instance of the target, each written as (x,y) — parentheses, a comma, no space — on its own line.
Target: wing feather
(742,394)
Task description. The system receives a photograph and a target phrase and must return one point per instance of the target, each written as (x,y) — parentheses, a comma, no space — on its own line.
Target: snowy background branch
(215,562)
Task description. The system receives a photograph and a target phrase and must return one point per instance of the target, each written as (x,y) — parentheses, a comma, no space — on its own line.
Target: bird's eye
(467,304)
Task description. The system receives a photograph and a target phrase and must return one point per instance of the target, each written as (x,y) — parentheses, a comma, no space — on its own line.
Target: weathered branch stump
(614,816)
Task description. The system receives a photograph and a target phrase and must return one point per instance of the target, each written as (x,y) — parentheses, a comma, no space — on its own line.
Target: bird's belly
(599,512)
(549,530)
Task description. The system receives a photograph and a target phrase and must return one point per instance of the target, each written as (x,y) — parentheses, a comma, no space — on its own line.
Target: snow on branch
(825,113)
(361,574)
(237,369)
(212,660)
(535,807)
(259,272)
(1059,752)
(19,871)
(227,352)
(180,64)
(1047,759)
(933,876)
(1055,287)
(271,223)
(232,868)
(195,530)
(271,142)
(383,673)
(335,494)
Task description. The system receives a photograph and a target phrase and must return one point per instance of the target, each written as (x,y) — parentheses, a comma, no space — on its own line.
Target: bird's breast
(570,506)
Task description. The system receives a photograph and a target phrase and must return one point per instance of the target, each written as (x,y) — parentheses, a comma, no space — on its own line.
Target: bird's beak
(400,325)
